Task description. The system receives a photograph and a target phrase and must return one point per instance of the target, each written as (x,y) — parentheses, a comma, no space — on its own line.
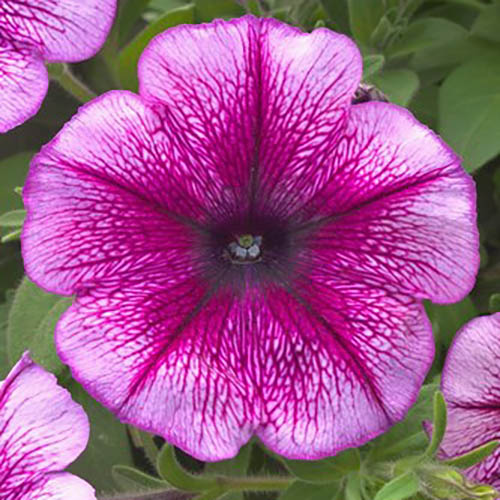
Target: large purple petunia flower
(32,31)
(41,432)
(471,387)
(248,250)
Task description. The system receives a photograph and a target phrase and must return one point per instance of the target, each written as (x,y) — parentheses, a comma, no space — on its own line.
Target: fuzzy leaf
(426,33)
(14,218)
(130,55)
(131,479)
(438,424)
(474,457)
(35,331)
(364,16)
(469,111)
(208,10)
(399,488)
(399,85)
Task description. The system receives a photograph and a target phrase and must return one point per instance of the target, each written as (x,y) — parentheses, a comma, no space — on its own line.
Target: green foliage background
(439,58)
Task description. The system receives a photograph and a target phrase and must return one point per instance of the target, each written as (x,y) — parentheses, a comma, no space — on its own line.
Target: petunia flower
(34,31)
(471,387)
(42,430)
(249,251)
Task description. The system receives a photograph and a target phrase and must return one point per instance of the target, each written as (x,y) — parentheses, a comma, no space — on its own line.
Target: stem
(61,74)
(211,487)
(172,472)
(255,483)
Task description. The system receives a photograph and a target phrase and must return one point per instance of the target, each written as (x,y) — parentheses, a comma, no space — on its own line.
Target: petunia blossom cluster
(42,430)
(248,249)
(34,31)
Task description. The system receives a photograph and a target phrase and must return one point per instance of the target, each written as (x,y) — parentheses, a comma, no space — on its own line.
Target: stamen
(245,250)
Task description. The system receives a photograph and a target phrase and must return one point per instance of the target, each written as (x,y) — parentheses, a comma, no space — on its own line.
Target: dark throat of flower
(251,252)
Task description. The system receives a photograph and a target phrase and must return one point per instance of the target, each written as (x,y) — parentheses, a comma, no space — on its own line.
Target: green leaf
(439,424)
(399,85)
(11,267)
(129,56)
(487,24)
(469,111)
(300,490)
(4,314)
(208,10)
(11,236)
(426,33)
(353,487)
(129,14)
(108,444)
(364,16)
(382,33)
(35,330)
(399,488)
(448,319)
(13,170)
(338,14)
(473,457)
(372,64)
(14,218)
(453,54)
(166,5)
(425,105)
(327,469)
(42,346)
(130,479)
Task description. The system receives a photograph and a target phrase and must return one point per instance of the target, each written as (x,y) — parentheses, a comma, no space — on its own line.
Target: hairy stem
(62,74)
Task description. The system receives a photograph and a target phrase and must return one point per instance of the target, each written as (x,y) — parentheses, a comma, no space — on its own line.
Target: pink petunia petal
(41,428)
(309,375)
(471,387)
(60,30)
(60,486)
(159,357)
(258,102)
(117,198)
(347,363)
(23,85)
(399,211)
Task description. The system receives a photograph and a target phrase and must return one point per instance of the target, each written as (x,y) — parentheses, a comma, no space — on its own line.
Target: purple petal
(255,100)
(60,30)
(60,486)
(471,387)
(103,207)
(159,357)
(347,363)
(41,429)
(23,85)
(400,210)
(310,375)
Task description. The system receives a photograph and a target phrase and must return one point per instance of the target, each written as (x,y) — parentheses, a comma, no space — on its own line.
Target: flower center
(246,249)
